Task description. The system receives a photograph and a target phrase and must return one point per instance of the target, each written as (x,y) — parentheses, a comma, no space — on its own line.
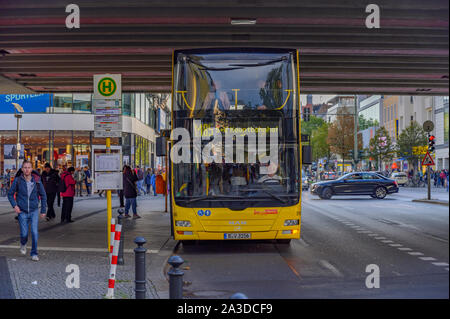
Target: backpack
(62,187)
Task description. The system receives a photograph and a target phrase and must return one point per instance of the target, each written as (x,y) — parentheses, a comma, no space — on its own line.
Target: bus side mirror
(306,155)
(161,146)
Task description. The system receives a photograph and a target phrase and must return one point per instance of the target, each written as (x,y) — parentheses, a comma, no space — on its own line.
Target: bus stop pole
(108,197)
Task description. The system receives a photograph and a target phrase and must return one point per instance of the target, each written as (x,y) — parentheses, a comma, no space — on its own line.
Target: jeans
(140,186)
(79,189)
(130,202)
(25,220)
(87,187)
(50,201)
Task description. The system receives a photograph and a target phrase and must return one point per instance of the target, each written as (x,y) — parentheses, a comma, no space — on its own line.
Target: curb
(431,201)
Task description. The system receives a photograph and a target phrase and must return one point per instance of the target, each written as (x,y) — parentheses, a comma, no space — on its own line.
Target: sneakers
(136,216)
(23,249)
(127,216)
(35,258)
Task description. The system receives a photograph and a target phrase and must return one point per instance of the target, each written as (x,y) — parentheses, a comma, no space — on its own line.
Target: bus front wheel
(283,241)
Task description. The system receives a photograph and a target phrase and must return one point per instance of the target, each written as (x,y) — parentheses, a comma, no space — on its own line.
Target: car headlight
(291,222)
(183,223)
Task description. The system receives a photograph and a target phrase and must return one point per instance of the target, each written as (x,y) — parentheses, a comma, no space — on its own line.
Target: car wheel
(380,192)
(326,193)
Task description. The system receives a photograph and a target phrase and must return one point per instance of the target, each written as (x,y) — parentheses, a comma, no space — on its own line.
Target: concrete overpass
(408,54)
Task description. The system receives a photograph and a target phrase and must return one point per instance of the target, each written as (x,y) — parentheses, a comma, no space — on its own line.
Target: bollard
(175,278)
(120,260)
(112,272)
(111,239)
(238,295)
(140,277)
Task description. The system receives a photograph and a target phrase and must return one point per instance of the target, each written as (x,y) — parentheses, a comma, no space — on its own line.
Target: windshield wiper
(265,191)
(213,197)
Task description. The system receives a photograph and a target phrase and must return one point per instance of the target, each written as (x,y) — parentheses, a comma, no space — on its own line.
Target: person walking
(67,193)
(50,180)
(140,181)
(28,190)
(79,177)
(130,191)
(148,179)
(153,182)
(87,180)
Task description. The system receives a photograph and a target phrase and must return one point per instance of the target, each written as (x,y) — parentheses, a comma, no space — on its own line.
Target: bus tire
(188,242)
(284,241)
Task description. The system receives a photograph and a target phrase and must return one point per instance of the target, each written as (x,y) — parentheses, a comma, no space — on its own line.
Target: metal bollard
(175,278)
(120,260)
(238,295)
(140,277)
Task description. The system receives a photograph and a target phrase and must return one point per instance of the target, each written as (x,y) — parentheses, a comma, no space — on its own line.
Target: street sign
(107,86)
(106,103)
(107,133)
(428,126)
(427,160)
(107,162)
(108,180)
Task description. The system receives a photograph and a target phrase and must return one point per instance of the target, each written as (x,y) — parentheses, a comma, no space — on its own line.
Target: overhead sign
(107,86)
(427,160)
(31,103)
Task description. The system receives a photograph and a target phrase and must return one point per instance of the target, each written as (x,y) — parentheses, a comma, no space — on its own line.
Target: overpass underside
(407,55)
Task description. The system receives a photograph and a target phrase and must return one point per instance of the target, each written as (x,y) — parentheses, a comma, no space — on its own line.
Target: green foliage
(364,124)
(412,136)
(320,147)
(381,147)
(312,125)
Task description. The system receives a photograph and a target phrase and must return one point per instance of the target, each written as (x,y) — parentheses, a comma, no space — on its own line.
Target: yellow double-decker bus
(235,159)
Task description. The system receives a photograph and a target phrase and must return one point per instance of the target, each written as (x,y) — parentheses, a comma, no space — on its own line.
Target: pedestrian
(442,178)
(140,181)
(130,191)
(121,190)
(87,180)
(153,182)
(28,190)
(50,180)
(447,173)
(148,179)
(67,190)
(79,177)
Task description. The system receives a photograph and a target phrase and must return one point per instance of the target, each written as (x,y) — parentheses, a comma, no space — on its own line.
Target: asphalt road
(340,238)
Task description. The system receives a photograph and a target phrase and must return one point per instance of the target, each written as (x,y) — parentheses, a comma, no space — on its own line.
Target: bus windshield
(247,102)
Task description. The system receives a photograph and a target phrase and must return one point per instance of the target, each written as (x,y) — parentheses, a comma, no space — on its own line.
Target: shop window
(62,103)
(82,103)
(127,101)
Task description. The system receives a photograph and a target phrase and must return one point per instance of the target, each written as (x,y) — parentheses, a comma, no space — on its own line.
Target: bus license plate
(237,236)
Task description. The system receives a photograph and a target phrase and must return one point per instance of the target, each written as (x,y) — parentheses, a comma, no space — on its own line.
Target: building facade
(441,131)
(59,128)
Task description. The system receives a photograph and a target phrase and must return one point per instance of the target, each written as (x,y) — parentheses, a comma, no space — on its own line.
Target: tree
(381,147)
(320,147)
(412,136)
(313,124)
(364,123)
(341,135)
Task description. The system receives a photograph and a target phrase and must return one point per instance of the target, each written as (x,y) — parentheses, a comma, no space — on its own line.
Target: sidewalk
(419,194)
(84,243)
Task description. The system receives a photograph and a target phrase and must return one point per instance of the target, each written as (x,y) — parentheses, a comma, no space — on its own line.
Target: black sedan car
(360,183)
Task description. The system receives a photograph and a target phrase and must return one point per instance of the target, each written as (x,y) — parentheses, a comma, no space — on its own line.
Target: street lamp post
(18,116)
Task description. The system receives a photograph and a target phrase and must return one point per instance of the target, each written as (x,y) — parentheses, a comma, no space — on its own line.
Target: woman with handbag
(130,191)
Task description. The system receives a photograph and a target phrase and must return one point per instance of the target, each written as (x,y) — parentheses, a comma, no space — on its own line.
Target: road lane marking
(364,231)
(440,264)
(75,249)
(380,237)
(330,267)
(395,245)
(387,241)
(404,249)
(415,253)
(427,258)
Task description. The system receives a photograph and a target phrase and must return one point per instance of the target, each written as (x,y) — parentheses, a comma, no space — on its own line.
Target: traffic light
(360,154)
(306,114)
(350,153)
(431,143)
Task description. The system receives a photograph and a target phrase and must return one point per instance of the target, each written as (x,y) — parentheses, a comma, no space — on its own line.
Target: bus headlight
(183,223)
(291,222)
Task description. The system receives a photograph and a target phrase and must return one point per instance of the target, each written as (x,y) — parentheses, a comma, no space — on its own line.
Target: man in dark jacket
(28,189)
(50,180)
(130,191)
